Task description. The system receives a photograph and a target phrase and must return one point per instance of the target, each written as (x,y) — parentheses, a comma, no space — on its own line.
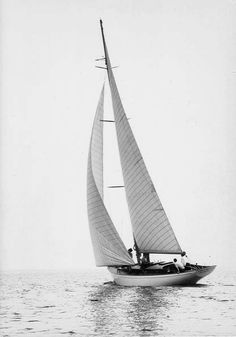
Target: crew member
(130,252)
(179,267)
(184,260)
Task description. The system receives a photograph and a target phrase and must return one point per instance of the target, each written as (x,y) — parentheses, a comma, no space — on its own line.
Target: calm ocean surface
(87,303)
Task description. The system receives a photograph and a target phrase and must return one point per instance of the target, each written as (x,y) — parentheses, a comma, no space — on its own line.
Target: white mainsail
(108,247)
(151,227)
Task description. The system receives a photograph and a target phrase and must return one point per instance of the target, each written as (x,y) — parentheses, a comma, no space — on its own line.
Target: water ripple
(89,304)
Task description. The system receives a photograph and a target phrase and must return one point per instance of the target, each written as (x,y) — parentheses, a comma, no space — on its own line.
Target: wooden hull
(185,278)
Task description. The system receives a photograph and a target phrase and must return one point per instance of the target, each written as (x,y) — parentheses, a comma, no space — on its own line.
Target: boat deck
(156,269)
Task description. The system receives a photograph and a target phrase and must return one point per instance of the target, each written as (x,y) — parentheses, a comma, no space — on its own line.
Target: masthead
(103,40)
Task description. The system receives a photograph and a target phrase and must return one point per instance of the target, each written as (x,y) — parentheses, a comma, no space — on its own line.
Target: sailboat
(152,230)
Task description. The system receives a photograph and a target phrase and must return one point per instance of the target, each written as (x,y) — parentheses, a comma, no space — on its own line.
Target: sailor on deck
(178,265)
(130,252)
(184,260)
(144,259)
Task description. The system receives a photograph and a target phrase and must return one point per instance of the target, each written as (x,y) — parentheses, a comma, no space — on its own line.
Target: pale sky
(177,80)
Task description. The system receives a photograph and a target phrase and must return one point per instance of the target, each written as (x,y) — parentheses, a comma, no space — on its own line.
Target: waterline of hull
(186,278)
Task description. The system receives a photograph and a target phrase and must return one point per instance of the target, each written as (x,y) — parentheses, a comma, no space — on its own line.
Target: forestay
(152,230)
(109,249)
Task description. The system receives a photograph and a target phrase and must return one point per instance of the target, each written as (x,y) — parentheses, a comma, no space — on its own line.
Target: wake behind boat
(152,230)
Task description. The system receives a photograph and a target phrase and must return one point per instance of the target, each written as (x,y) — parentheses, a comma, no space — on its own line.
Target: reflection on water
(103,304)
(133,311)
(149,307)
(88,304)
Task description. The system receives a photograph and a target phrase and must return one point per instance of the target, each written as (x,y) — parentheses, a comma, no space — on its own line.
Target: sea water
(87,303)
